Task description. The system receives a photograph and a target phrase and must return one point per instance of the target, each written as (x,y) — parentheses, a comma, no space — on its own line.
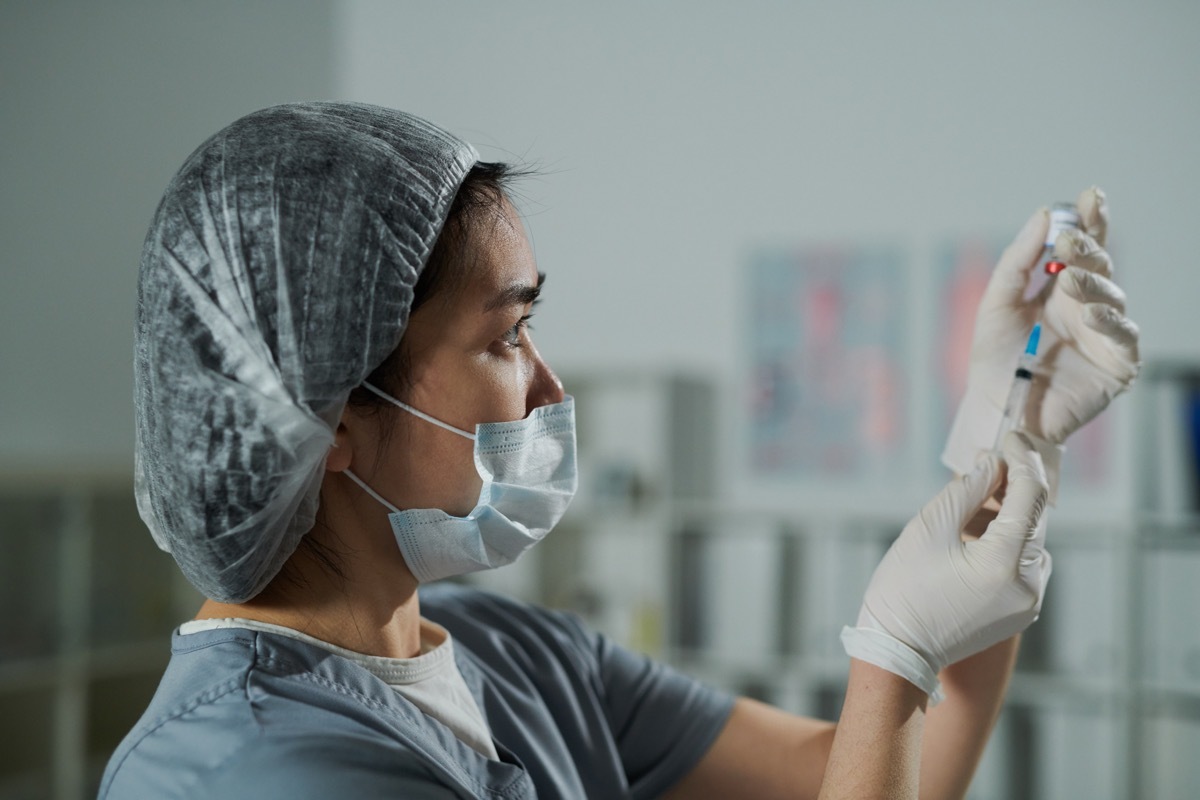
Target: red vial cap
(1054,267)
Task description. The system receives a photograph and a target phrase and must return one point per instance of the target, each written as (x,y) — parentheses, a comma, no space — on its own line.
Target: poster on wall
(960,275)
(961,271)
(827,352)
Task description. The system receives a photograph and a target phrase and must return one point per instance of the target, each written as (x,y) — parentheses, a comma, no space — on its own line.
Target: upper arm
(661,721)
(761,752)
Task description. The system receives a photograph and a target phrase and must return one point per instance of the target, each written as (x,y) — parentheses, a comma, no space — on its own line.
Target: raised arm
(934,600)
(957,730)
(1092,356)
(877,748)
(883,733)
(766,753)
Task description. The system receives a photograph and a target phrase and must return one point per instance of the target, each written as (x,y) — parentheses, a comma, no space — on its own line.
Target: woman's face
(472,360)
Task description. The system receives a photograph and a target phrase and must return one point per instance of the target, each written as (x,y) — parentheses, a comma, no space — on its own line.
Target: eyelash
(512,337)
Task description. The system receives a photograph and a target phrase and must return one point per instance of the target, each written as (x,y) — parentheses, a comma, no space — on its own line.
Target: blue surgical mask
(529,477)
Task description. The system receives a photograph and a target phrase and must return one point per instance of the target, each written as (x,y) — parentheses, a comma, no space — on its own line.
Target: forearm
(876,750)
(957,729)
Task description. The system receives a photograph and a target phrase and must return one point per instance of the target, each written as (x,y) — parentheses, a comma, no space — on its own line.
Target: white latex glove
(1088,353)
(935,599)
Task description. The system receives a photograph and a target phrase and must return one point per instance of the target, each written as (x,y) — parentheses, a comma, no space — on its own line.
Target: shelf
(1039,690)
(778,667)
(99,663)
(1143,528)
(1171,700)
(1028,688)
(1170,370)
(1169,530)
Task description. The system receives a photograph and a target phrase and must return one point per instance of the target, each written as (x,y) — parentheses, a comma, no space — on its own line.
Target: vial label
(1063,216)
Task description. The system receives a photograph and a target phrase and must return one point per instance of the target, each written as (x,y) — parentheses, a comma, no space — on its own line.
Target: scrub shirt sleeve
(658,723)
(663,721)
(317,768)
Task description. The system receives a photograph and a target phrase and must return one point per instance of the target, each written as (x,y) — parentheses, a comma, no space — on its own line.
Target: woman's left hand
(1089,348)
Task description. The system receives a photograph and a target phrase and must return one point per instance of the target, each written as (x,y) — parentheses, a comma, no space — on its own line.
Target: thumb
(1016,264)
(1024,500)
(951,509)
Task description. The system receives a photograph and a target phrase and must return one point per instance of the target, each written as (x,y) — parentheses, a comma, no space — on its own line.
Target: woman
(338,400)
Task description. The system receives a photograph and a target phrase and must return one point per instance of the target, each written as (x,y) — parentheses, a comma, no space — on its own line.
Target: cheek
(487,387)
(497,391)
(427,467)
(489,402)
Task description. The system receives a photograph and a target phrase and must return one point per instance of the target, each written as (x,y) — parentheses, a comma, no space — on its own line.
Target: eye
(512,336)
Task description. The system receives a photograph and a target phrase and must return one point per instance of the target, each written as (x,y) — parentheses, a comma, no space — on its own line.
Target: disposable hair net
(278,273)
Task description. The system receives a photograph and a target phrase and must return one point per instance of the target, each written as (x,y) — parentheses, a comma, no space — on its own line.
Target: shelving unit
(1163,664)
(1105,702)
(90,606)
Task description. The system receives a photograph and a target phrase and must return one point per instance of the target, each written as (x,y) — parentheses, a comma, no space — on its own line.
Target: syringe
(1018,395)
(1063,216)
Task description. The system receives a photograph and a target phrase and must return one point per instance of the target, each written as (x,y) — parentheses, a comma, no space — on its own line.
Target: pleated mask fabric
(278,273)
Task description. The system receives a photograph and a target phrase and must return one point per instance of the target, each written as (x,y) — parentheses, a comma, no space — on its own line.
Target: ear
(340,452)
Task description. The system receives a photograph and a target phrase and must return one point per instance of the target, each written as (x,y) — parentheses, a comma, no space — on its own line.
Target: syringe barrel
(1014,406)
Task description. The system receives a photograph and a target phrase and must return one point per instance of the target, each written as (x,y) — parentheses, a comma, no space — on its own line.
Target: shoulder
(319,766)
(202,691)
(255,710)
(296,766)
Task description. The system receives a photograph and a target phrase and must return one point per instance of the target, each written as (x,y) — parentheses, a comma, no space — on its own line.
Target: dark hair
(447,270)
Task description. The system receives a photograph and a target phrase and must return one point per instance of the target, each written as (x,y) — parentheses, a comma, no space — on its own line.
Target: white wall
(679,135)
(676,137)
(101,103)
(682,133)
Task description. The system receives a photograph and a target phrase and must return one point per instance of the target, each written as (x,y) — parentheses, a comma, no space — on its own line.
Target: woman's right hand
(935,599)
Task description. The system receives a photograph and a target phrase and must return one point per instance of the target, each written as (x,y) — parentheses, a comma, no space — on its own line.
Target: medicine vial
(1063,216)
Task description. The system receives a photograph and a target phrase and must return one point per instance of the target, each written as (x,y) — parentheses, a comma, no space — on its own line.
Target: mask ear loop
(350,474)
(417,413)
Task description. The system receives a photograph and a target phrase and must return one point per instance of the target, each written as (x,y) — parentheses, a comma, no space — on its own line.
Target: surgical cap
(278,273)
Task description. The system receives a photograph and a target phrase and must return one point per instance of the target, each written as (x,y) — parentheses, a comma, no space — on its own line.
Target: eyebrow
(517,295)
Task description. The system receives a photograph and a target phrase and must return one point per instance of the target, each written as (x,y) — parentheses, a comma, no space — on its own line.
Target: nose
(545,388)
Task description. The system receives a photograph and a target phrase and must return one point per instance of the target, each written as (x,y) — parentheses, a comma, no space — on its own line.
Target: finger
(1039,536)
(1093,213)
(1025,496)
(1090,287)
(1016,264)
(1035,557)
(1036,566)
(1024,502)
(950,510)
(1080,250)
(1121,332)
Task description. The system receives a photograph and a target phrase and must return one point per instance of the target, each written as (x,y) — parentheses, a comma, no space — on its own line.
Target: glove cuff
(974,433)
(886,652)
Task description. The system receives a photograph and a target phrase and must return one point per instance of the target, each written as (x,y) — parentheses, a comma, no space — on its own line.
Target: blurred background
(765,227)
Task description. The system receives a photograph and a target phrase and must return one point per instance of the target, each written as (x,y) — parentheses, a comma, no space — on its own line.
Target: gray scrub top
(244,714)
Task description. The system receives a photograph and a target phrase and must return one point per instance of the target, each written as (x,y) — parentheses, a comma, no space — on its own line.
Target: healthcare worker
(338,401)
